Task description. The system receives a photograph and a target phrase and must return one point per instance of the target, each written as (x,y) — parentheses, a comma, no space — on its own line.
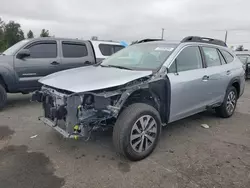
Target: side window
(43,50)
(188,59)
(74,50)
(211,56)
(229,58)
(109,49)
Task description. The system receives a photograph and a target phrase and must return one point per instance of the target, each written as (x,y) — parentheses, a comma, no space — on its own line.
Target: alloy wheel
(231,102)
(143,133)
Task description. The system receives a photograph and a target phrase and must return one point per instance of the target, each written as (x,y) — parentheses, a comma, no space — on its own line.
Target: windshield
(146,56)
(12,50)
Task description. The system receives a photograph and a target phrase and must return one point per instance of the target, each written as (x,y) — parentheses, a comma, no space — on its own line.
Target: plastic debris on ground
(206,126)
(34,136)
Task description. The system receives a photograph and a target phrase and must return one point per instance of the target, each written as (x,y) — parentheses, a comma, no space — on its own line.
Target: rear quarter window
(229,57)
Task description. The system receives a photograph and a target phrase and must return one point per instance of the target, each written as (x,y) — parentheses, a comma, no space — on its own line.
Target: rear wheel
(229,104)
(3,97)
(137,131)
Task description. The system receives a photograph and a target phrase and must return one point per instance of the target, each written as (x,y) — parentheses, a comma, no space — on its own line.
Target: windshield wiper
(116,66)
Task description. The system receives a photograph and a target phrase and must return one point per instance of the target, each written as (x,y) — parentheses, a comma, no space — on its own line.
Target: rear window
(74,50)
(229,57)
(109,49)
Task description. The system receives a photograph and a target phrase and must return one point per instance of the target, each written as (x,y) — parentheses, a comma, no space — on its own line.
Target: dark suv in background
(29,60)
(244,57)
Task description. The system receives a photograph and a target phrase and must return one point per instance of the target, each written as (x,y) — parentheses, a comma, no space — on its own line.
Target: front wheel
(137,130)
(228,106)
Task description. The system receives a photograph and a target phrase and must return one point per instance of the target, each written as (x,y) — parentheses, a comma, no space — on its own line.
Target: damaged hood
(91,78)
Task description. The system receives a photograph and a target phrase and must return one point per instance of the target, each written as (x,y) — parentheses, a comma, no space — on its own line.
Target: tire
(223,111)
(125,130)
(3,97)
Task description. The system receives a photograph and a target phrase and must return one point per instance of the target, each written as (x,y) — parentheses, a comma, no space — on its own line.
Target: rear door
(76,54)
(217,74)
(188,89)
(43,61)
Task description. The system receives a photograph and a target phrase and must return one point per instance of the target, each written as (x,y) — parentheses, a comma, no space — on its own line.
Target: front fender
(9,78)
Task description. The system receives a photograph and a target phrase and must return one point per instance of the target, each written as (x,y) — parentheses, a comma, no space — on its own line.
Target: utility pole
(162,33)
(226,37)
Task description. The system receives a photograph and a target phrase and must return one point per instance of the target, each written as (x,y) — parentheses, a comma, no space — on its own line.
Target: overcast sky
(133,19)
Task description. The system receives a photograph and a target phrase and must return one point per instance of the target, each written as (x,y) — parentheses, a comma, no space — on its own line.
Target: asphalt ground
(33,155)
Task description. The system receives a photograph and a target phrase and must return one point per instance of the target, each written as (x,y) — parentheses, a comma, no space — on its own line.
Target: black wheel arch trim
(235,80)
(159,89)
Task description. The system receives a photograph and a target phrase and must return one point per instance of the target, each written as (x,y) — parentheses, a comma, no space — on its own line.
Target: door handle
(205,78)
(55,63)
(228,72)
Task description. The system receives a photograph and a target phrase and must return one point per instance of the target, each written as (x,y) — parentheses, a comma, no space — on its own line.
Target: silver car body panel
(190,94)
(91,78)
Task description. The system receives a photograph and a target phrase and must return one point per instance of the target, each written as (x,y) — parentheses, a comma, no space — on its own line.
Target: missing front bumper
(55,127)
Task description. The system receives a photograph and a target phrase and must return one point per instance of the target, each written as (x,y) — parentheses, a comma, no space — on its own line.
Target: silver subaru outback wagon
(142,88)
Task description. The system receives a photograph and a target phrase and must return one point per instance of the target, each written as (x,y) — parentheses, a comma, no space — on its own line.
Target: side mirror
(23,53)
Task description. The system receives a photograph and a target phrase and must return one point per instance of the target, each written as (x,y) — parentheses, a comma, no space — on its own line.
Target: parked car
(29,60)
(142,88)
(244,57)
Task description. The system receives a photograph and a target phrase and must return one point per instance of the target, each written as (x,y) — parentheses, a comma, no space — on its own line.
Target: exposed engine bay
(78,114)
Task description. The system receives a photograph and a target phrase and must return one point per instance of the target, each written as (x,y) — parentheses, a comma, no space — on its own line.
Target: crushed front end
(77,114)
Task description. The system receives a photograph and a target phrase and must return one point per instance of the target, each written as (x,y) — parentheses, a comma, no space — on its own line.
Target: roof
(185,44)
(72,39)
(188,40)
(206,40)
(55,38)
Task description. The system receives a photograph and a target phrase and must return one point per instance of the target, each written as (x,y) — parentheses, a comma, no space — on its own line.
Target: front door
(43,60)
(188,84)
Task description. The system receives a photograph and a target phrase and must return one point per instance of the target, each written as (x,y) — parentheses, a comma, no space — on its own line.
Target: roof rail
(204,40)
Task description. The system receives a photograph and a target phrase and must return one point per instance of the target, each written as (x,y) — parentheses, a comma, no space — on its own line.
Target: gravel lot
(187,156)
